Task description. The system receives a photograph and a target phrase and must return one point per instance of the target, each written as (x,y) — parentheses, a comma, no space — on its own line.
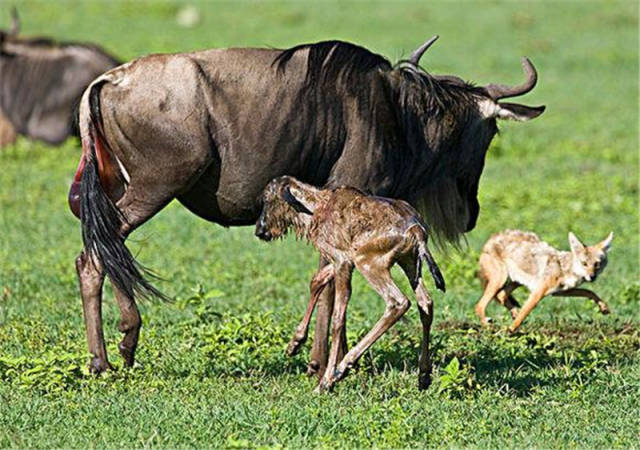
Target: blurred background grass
(574,168)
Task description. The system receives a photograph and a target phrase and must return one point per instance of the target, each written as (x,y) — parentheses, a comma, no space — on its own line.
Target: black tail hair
(102,221)
(438,279)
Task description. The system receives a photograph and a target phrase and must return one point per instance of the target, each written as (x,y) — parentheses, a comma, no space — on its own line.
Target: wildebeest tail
(425,255)
(101,220)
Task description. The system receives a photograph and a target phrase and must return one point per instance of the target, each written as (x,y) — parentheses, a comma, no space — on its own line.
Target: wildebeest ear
(288,197)
(510,111)
(515,111)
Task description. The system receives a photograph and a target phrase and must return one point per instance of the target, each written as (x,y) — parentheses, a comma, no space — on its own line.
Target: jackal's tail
(102,221)
(425,256)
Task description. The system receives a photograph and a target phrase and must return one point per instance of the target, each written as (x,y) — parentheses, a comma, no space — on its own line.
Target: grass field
(212,369)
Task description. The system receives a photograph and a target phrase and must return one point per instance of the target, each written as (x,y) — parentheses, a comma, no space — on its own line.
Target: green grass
(212,370)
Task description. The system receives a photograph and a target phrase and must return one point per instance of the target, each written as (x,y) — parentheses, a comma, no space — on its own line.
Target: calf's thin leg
(320,281)
(342,282)
(579,292)
(413,269)
(380,279)
(320,347)
(91,279)
(425,305)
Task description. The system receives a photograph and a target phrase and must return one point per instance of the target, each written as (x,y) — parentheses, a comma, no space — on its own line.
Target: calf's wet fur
(353,230)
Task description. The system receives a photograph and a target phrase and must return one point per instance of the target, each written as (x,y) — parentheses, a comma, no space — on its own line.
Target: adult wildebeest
(41,82)
(211,128)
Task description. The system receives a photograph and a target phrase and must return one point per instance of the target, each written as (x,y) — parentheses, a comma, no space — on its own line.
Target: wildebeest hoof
(127,354)
(605,310)
(97,366)
(424,381)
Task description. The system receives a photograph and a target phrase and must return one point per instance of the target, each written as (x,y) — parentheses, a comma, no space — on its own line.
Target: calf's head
(281,210)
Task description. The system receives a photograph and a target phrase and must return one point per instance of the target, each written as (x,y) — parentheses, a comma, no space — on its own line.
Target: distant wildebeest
(354,230)
(515,258)
(212,128)
(41,83)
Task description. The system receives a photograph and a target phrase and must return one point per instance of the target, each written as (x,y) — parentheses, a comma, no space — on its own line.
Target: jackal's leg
(130,324)
(91,279)
(505,298)
(532,302)
(342,282)
(321,280)
(397,304)
(496,276)
(579,292)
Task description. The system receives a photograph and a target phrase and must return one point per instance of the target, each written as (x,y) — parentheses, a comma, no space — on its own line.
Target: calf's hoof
(293,348)
(315,368)
(605,310)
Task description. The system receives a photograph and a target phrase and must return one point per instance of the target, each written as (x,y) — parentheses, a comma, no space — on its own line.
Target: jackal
(523,259)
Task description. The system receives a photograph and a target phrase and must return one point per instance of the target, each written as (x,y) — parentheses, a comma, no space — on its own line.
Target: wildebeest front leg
(579,292)
(130,324)
(321,280)
(91,279)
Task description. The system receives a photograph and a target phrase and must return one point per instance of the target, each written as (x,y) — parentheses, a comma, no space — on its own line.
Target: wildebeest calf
(351,229)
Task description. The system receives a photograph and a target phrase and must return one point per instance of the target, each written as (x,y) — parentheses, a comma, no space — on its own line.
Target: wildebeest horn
(498,91)
(417,53)
(15,22)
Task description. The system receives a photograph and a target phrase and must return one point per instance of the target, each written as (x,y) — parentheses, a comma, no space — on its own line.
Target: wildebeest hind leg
(130,324)
(91,279)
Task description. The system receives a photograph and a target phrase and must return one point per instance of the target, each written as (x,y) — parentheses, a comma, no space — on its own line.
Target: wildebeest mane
(441,182)
(332,62)
(428,164)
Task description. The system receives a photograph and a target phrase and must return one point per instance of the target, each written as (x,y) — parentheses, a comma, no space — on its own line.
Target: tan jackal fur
(515,258)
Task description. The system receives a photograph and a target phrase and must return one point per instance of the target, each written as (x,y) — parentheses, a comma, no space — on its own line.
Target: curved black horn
(498,91)
(15,22)
(417,53)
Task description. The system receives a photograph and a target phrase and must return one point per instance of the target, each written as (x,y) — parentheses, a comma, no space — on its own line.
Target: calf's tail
(425,255)
(102,221)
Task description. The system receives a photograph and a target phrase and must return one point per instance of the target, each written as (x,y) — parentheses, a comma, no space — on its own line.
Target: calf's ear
(288,197)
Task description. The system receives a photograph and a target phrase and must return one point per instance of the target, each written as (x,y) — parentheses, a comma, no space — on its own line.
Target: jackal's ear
(606,244)
(575,244)
(292,200)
